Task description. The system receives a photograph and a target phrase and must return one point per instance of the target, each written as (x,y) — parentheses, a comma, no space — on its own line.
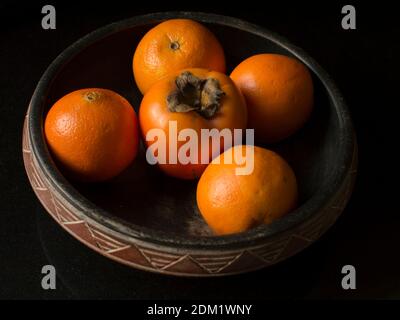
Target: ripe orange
(174,45)
(92,134)
(233,203)
(279,94)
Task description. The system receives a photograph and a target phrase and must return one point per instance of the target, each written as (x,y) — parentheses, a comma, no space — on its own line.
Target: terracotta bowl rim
(314,205)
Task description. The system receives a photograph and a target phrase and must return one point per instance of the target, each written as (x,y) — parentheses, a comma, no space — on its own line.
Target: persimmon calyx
(195,94)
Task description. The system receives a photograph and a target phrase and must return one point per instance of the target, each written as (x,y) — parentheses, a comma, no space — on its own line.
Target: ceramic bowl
(149,221)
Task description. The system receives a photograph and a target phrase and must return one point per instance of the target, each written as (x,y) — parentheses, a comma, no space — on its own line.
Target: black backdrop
(364,64)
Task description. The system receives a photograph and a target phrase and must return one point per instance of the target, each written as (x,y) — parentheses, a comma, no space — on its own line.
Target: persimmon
(92,134)
(174,45)
(278,92)
(232,203)
(194,99)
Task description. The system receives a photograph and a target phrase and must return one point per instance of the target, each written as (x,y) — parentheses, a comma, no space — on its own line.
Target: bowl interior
(142,195)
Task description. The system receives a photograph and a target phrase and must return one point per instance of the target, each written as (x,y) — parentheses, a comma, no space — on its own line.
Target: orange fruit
(92,134)
(279,94)
(174,45)
(232,203)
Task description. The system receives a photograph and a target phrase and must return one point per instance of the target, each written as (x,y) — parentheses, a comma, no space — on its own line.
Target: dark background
(364,63)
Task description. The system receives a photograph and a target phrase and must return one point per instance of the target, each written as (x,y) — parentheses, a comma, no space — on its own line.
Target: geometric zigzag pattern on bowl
(164,260)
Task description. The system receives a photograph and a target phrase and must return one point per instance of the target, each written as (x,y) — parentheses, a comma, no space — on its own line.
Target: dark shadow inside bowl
(142,195)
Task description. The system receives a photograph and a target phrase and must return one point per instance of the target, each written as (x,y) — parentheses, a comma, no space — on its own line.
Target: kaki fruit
(92,134)
(232,203)
(174,45)
(278,92)
(191,99)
